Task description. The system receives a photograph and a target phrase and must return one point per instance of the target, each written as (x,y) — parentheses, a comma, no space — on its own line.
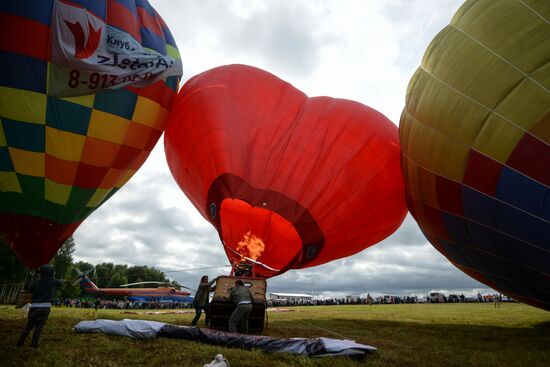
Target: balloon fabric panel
(320,172)
(61,158)
(475,137)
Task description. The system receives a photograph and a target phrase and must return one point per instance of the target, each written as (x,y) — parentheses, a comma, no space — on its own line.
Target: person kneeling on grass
(242,298)
(42,291)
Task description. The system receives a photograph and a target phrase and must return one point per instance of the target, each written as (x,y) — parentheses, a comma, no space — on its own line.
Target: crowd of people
(368,300)
(201,303)
(388,299)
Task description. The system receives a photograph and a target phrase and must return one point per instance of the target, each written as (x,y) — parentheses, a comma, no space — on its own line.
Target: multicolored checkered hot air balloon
(85,91)
(475,137)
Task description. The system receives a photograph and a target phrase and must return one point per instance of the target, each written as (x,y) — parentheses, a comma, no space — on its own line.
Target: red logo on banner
(82,48)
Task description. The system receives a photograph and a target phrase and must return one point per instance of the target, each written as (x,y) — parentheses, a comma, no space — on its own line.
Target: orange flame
(251,246)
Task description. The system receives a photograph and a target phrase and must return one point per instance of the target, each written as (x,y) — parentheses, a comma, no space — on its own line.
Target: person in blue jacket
(42,292)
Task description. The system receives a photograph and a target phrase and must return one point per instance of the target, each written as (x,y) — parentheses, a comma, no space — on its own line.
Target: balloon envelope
(288,181)
(61,158)
(475,137)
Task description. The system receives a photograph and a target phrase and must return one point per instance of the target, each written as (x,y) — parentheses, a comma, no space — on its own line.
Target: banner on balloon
(89,55)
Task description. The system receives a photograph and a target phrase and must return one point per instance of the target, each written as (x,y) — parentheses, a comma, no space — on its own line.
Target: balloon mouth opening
(34,240)
(258,236)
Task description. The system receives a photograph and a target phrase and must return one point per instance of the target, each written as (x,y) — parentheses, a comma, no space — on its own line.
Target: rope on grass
(322,328)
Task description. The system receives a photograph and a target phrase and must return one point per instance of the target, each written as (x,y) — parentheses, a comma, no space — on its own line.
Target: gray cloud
(281,35)
(416,24)
(394,266)
(135,227)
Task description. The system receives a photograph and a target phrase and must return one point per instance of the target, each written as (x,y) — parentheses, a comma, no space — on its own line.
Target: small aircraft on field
(164,293)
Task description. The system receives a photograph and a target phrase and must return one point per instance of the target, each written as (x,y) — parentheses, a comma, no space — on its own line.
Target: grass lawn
(405,335)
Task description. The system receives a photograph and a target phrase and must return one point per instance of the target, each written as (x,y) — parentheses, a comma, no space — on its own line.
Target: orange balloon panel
(320,176)
(248,229)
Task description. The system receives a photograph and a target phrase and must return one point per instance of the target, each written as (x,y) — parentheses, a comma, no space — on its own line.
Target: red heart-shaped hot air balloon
(288,181)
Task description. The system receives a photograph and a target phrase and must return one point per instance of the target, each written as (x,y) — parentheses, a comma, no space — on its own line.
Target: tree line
(104,275)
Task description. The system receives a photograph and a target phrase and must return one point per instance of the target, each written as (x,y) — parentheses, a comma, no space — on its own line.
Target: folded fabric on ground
(143,329)
(137,329)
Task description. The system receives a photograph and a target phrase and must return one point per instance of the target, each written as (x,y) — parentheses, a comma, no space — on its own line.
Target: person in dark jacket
(242,298)
(201,301)
(42,292)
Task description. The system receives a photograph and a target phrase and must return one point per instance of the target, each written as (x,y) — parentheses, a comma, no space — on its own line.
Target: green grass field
(405,335)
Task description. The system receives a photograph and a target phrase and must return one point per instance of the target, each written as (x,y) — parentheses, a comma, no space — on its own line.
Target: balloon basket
(221,307)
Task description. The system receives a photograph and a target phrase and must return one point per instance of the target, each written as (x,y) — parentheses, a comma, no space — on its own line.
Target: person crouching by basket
(242,298)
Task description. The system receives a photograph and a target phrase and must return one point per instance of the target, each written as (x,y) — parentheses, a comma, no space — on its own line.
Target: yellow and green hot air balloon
(475,137)
(62,157)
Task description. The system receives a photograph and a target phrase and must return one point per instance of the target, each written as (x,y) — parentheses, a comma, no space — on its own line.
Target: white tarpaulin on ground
(141,329)
(137,329)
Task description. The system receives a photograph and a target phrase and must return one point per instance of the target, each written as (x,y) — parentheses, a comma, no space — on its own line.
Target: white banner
(88,55)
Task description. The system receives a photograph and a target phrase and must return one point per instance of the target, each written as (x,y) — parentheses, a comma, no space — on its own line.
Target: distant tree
(104,272)
(70,289)
(121,269)
(12,270)
(83,266)
(144,273)
(106,275)
(117,280)
(175,284)
(63,260)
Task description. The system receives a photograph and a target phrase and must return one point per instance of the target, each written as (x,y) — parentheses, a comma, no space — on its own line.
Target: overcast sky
(360,50)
